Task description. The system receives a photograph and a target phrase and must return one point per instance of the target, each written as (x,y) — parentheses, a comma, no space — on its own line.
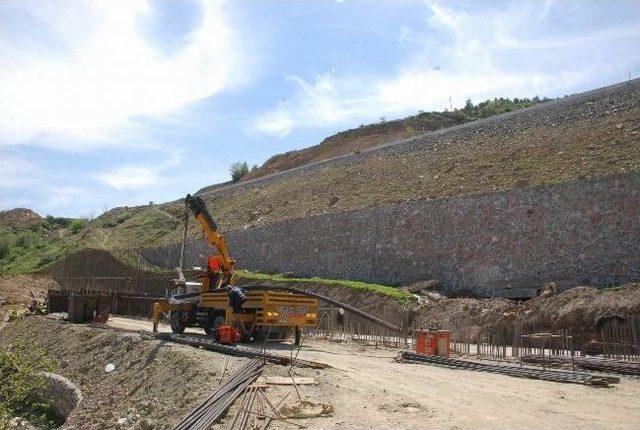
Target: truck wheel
(177,324)
(213,322)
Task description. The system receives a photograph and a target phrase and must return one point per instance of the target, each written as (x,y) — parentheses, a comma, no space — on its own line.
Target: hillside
(368,136)
(29,242)
(585,136)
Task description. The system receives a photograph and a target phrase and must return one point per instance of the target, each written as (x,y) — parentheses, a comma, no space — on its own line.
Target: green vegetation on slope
(38,244)
(395,293)
(21,385)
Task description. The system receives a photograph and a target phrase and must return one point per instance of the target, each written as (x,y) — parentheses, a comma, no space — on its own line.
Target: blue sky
(111,103)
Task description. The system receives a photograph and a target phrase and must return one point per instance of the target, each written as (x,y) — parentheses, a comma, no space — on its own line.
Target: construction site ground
(156,383)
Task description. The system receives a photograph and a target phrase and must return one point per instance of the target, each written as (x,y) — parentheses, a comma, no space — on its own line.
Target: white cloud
(132,177)
(102,70)
(129,177)
(328,100)
(61,197)
(16,172)
(485,53)
(275,123)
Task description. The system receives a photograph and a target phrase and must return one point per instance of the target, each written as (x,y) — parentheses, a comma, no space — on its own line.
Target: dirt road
(369,390)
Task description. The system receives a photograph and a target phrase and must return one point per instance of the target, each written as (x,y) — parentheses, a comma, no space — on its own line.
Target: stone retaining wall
(498,244)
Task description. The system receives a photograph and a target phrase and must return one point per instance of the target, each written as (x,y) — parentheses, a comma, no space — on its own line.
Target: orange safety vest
(214,264)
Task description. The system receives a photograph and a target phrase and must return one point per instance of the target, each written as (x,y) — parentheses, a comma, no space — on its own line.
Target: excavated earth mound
(577,309)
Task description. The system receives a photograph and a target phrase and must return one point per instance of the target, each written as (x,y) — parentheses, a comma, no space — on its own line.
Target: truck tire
(214,321)
(177,324)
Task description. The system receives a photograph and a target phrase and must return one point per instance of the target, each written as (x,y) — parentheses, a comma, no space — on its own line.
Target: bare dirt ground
(15,293)
(158,382)
(370,390)
(15,289)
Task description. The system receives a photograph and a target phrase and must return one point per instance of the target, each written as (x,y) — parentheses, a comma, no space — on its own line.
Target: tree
(468,106)
(238,170)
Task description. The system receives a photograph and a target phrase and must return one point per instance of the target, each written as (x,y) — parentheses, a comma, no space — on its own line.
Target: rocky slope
(368,136)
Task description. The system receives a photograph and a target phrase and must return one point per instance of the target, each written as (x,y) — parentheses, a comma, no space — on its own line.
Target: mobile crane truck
(266,313)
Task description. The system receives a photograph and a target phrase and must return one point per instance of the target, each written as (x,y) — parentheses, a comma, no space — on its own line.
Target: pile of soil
(19,217)
(575,309)
(15,294)
(15,289)
(154,384)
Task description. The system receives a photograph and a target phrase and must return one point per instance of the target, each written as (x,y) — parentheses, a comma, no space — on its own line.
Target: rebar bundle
(514,371)
(587,363)
(213,407)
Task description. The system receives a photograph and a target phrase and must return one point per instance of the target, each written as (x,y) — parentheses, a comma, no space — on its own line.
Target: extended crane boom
(210,229)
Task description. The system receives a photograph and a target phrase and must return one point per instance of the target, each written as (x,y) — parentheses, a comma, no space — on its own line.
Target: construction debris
(509,370)
(306,409)
(253,407)
(548,290)
(422,287)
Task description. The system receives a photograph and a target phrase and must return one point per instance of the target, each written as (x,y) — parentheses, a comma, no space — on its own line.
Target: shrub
(21,382)
(27,239)
(77,225)
(238,170)
(52,221)
(46,259)
(6,244)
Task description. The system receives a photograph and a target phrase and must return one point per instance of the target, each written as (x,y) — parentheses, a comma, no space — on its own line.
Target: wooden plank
(288,380)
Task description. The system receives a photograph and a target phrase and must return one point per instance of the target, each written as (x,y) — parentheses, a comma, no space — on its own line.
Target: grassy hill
(585,136)
(372,135)
(29,242)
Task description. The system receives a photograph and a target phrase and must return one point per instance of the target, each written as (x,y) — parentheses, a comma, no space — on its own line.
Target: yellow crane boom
(210,229)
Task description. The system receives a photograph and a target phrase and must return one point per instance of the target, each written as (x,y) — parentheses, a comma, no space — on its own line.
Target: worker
(237,297)
(213,270)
